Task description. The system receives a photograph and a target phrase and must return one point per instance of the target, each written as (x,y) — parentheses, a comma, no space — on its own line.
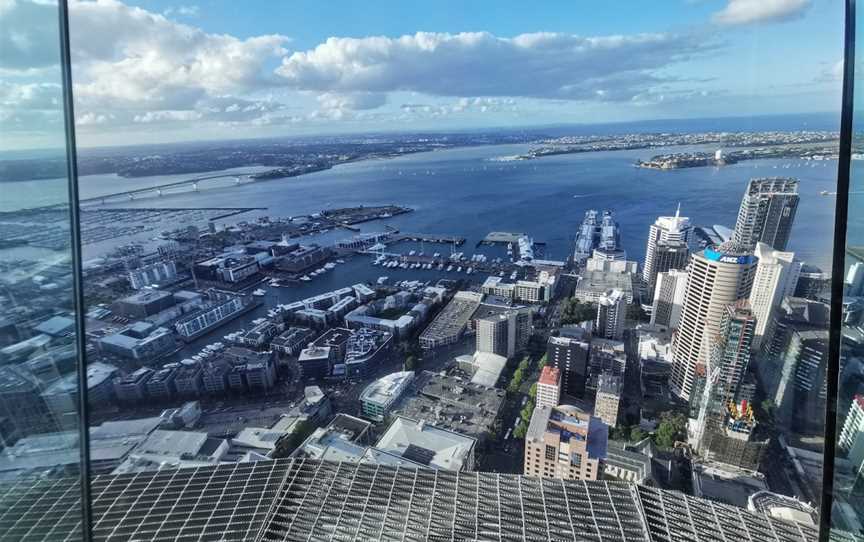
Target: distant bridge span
(158,189)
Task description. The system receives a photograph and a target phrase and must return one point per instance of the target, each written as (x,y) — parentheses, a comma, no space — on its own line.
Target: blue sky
(167,71)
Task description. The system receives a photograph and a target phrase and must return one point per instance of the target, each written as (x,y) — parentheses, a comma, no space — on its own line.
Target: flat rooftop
(454,317)
(427,445)
(387,387)
(453,403)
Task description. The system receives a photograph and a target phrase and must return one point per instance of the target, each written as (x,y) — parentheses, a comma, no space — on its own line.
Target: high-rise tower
(668,247)
(717,277)
(776,277)
(767,212)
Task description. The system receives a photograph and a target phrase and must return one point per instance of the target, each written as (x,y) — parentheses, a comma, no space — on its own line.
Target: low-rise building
(345,438)
(153,274)
(143,304)
(594,284)
(140,342)
(133,387)
(291,341)
(448,326)
(61,397)
(316,361)
(427,445)
(260,335)
(379,396)
(189,380)
(637,463)
(217,311)
(230,268)
(364,350)
(164,449)
(485,367)
(160,386)
(451,403)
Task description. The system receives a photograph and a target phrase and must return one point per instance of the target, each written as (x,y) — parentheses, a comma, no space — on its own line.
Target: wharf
(428,238)
(501,237)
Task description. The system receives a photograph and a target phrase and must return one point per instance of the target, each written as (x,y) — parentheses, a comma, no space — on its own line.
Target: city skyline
(166,72)
(466,271)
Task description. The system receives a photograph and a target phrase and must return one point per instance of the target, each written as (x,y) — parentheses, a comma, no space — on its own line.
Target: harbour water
(466,192)
(463,192)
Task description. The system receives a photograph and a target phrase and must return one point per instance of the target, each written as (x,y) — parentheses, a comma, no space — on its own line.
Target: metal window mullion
(77,281)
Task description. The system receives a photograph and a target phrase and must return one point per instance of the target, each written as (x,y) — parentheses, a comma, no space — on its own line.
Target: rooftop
(454,317)
(488,367)
(550,376)
(422,443)
(387,387)
(452,403)
(282,500)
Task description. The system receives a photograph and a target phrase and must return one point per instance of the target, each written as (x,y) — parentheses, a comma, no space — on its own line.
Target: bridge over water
(160,189)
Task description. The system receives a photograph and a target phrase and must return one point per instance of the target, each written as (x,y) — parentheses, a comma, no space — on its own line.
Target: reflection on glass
(39,422)
(422,252)
(847,514)
(645,302)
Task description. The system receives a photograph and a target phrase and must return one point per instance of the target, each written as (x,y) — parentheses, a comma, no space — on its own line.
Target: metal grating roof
(306,500)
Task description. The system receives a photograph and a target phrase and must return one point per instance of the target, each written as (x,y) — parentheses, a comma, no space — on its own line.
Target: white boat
(259,292)
(459,269)
(305,278)
(449,268)
(382,280)
(330,265)
(340,261)
(440,266)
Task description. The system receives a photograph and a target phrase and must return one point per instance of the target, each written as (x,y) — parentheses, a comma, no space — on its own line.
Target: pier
(429,238)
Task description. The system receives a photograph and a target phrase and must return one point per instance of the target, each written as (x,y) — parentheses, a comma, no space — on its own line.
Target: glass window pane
(40,484)
(334,256)
(847,512)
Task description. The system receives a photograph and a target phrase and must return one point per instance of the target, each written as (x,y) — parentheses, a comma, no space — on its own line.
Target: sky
(161,71)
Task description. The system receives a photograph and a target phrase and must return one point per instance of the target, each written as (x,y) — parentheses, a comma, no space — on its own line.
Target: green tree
(527,411)
(524,364)
(672,428)
(515,382)
(543,361)
(410,363)
(621,433)
(574,311)
(520,430)
(288,443)
(532,391)
(637,434)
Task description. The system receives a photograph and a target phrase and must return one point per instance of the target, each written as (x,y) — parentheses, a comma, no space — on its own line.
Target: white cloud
(540,65)
(40,96)
(25,36)
(739,12)
(93,119)
(129,57)
(183,11)
(166,116)
(831,73)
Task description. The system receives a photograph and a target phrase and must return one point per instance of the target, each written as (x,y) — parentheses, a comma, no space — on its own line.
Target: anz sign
(729,258)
